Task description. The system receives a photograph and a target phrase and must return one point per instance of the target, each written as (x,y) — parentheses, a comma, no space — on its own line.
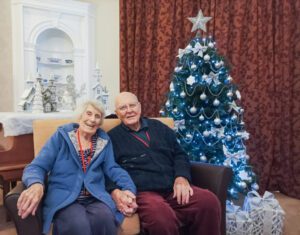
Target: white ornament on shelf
(37,103)
(100,92)
(25,103)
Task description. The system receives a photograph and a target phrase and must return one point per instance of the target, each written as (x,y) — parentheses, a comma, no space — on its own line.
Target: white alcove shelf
(54,55)
(54,38)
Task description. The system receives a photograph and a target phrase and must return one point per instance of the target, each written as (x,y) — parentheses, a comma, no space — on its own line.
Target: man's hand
(125,201)
(182,190)
(29,200)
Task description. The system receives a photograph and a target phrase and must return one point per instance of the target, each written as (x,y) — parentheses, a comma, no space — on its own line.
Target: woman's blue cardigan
(59,160)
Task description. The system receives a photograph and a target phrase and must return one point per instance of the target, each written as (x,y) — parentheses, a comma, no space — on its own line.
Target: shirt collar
(144,125)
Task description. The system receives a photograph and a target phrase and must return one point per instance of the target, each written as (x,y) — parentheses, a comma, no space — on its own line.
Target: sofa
(214,178)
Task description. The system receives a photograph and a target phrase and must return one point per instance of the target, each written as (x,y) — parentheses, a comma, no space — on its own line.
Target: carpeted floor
(291,206)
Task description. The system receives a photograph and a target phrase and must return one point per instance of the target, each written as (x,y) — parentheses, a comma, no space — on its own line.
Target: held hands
(29,200)
(182,190)
(125,201)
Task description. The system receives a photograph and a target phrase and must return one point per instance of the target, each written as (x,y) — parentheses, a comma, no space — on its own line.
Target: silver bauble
(217,121)
(243,185)
(168,103)
(216,102)
(206,133)
(201,117)
(203,96)
(193,66)
(193,110)
(211,45)
(206,57)
(255,186)
(203,158)
(182,94)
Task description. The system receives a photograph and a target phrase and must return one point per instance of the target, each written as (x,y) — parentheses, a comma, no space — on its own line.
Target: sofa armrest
(212,177)
(32,224)
(216,179)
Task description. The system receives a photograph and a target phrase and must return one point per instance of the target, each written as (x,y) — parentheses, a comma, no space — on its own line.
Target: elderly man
(160,169)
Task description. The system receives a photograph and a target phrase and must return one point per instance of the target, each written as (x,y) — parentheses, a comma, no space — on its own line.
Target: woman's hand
(125,201)
(29,200)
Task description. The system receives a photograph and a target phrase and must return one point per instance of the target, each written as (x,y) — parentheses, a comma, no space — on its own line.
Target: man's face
(128,110)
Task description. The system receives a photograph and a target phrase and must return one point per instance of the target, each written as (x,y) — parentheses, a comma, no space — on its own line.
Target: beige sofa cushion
(43,129)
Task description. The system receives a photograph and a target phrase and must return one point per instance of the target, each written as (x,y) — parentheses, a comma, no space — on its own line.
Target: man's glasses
(125,107)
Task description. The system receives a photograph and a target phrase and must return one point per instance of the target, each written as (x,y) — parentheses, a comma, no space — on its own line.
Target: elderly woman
(75,159)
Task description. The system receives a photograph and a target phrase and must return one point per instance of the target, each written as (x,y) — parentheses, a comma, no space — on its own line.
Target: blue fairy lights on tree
(203,101)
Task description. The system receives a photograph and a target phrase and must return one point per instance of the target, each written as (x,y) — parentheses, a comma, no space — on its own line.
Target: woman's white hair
(95,104)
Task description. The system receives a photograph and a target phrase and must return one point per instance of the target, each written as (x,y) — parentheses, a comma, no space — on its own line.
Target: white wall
(6,81)
(107,49)
(107,44)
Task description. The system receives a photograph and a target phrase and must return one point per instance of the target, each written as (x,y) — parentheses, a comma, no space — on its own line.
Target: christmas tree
(204,102)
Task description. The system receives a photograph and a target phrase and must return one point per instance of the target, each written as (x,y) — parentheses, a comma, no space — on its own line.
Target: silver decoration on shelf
(100,92)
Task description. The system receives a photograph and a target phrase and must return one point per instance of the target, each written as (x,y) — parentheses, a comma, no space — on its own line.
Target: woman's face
(89,121)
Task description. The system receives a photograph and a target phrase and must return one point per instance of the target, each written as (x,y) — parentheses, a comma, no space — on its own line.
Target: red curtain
(261,41)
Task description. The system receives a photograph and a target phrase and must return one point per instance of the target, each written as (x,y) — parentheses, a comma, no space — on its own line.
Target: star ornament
(199,22)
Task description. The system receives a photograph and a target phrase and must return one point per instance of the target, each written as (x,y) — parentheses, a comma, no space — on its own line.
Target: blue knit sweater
(152,168)
(59,159)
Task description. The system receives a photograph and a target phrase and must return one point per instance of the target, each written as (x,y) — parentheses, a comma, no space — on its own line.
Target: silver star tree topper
(199,22)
